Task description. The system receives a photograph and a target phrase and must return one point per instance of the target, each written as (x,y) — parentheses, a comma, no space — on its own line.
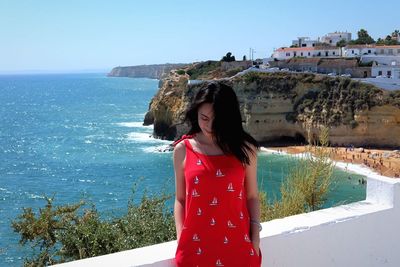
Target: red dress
(216,225)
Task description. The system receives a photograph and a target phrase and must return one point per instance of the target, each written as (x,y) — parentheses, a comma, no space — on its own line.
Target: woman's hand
(256,245)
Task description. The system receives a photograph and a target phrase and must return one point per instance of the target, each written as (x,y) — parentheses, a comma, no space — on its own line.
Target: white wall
(364,233)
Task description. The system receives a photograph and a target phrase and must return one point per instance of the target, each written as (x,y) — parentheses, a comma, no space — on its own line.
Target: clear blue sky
(76,35)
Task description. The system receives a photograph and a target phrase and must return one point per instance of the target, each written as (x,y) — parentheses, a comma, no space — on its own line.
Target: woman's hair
(227,124)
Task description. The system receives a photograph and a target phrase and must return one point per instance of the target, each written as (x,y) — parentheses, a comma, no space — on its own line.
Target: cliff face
(145,71)
(277,105)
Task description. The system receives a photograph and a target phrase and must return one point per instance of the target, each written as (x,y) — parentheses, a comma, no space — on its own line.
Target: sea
(75,137)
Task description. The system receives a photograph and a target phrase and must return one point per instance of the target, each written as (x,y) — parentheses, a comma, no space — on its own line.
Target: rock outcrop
(278,106)
(145,71)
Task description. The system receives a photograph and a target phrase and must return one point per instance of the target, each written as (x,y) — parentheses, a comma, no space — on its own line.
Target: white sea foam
(272,151)
(134,124)
(157,149)
(144,138)
(86,181)
(33,196)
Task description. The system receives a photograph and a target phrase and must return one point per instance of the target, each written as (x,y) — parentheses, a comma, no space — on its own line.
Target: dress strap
(184,138)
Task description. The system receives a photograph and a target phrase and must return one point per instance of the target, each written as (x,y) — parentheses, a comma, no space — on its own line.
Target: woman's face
(205,116)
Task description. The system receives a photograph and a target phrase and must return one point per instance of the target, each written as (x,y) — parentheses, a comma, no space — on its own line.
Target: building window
(330,41)
(301,53)
(313,45)
(352,51)
(398,51)
(303,45)
(333,53)
(389,73)
(369,51)
(309,54)
(380,72)
(294,53)
(288,54)
(326,53)
(382,51)
(390,51)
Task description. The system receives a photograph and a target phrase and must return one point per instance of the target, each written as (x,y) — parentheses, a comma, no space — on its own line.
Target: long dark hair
(227,124)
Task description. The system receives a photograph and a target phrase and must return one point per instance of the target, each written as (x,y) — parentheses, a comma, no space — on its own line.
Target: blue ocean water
(80,136)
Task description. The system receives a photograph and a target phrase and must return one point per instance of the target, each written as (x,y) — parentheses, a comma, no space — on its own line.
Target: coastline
(363,161)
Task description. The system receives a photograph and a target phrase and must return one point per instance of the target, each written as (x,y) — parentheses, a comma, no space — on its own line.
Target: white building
(304,42)
(334,37)
(386,61)
(391,50)
(307,52)
(358,50)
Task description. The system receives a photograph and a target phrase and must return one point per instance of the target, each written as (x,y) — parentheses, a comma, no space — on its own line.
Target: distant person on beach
(217,210)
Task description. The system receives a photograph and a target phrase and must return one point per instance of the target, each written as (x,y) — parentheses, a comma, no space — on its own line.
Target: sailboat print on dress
(198,163)
(199,212)
(231,225)
(240,194)
(198,251)
(214,202)
(226,240)
(246,238)
(212,222)
(241,215)
(219,263)
(230,188)
(196,238)
(251,252)
(196,180)
(194,193)
(219,173)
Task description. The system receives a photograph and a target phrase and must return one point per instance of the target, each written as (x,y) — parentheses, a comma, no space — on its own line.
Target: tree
(244,58)
(364,37)
(228,57)
(380,41)
(341,43)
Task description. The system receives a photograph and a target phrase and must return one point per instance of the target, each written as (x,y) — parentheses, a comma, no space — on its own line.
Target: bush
(180,72)
(69,232)
(306,186)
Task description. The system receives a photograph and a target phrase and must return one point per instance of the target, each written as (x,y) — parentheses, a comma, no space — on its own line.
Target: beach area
(383,162)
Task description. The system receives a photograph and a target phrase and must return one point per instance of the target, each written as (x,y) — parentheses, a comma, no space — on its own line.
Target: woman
(216,207)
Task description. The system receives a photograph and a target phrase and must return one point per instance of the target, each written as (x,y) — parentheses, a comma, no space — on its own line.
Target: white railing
(365,233)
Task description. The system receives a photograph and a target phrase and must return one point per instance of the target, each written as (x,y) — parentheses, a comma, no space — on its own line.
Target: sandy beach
(381,161)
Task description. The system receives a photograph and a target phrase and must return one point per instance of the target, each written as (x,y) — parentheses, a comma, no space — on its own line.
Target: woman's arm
(253,202)
(180,190)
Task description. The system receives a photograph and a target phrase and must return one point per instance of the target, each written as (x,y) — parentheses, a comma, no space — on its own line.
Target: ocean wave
(86,181)
(157,149)
(144,138)
(33,196)
(134,124)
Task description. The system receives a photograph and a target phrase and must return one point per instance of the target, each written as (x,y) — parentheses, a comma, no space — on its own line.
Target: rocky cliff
(277,106)
(145,71)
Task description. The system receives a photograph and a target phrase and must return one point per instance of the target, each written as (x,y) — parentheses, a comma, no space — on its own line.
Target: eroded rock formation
(280,105)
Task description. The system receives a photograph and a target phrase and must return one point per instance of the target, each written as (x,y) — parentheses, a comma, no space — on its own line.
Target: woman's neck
(205,140)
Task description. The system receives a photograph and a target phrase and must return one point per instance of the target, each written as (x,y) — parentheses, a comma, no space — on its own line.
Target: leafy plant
(306,186)
(71,232)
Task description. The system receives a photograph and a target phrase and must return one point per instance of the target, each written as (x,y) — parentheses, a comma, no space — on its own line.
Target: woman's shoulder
(180,149)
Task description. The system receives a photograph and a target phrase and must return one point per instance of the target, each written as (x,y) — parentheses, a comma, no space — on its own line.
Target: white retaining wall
(365,233)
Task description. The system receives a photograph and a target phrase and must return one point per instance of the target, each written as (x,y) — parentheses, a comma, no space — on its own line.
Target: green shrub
(72,232)
(180,72)
(306,185)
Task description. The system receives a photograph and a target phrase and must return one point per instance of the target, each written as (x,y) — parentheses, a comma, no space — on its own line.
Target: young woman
(217,210)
